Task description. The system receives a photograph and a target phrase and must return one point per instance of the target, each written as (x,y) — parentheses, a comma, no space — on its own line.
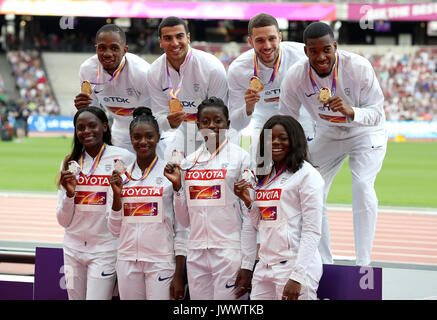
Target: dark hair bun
(142,111)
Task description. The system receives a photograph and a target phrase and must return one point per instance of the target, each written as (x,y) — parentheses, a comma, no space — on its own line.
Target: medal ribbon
(116,73)
(172,92)
(275,70)
(145,174)
(334,80)
(95,163)
(266,179)
(216,152)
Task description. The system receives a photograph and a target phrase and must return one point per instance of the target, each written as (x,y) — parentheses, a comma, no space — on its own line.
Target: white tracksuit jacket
(85,215)
(120,96)
(288,215)
(146,224)
(364,138)
(239,73)
(357,85)
(207,203)
(204,77)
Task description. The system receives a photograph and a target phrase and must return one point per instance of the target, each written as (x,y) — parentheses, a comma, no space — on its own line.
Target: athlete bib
(268,202)
(91,193)
(142,204)
(205,187)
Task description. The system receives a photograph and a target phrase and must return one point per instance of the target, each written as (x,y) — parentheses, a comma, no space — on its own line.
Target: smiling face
(211,121)
(110,49)
(280,145)
(144,139)
(89,130)
(321,54)
(174,41)
(265,41)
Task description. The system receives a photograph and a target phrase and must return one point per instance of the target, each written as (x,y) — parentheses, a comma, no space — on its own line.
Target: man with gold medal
(255,77)
(114,79)
(341,92)
(178,81)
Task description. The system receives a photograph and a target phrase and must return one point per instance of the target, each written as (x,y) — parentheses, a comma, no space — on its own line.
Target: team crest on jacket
(108,167)
(347,91)
(130,91)
(196,87)
(158,180)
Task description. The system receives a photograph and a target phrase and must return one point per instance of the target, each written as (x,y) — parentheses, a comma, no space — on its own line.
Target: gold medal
(175,105)
(324,95)
(256,84)
(86,87)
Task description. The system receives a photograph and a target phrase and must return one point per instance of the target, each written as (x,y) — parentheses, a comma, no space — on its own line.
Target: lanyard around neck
(334,79)
(95,163)
(275,69)
(172,91)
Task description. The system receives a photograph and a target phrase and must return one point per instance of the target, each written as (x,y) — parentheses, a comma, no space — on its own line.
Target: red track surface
(400,237)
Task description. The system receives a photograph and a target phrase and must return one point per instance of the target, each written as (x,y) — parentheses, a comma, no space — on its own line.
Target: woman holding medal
(84,202)
(341,92)
(222,242)
(287,211)
(152,249)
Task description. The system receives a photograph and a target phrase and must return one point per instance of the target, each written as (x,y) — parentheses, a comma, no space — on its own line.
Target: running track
(401,236)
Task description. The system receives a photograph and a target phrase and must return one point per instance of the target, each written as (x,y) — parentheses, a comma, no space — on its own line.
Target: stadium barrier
(407,129)
(338,282)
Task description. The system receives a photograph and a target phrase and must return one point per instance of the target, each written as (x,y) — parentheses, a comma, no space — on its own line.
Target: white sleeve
(181,207)
(254,215)
(180,237)
(311,199)
(289,103)
(158,101)
(371,109)
(114,222)
(237,103)
(64,208)
(218,84)
(65,205)
(248,232)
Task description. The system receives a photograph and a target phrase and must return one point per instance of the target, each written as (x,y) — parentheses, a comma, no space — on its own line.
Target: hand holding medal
(324,95)
(249,177)
(256,84)
(175,105)
(119,166)
(74,167)
(86,87)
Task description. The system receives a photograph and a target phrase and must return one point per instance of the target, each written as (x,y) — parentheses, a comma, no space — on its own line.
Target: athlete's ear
(280,36)
(306,50)
(189,37)
(249,40)
(125,49)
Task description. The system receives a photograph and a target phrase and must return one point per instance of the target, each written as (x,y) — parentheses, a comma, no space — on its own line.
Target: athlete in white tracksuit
(287,212)
(90,250)
(119,96)
(150,241)
(240,72)
(337,135)
(222,239)
(203,76)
